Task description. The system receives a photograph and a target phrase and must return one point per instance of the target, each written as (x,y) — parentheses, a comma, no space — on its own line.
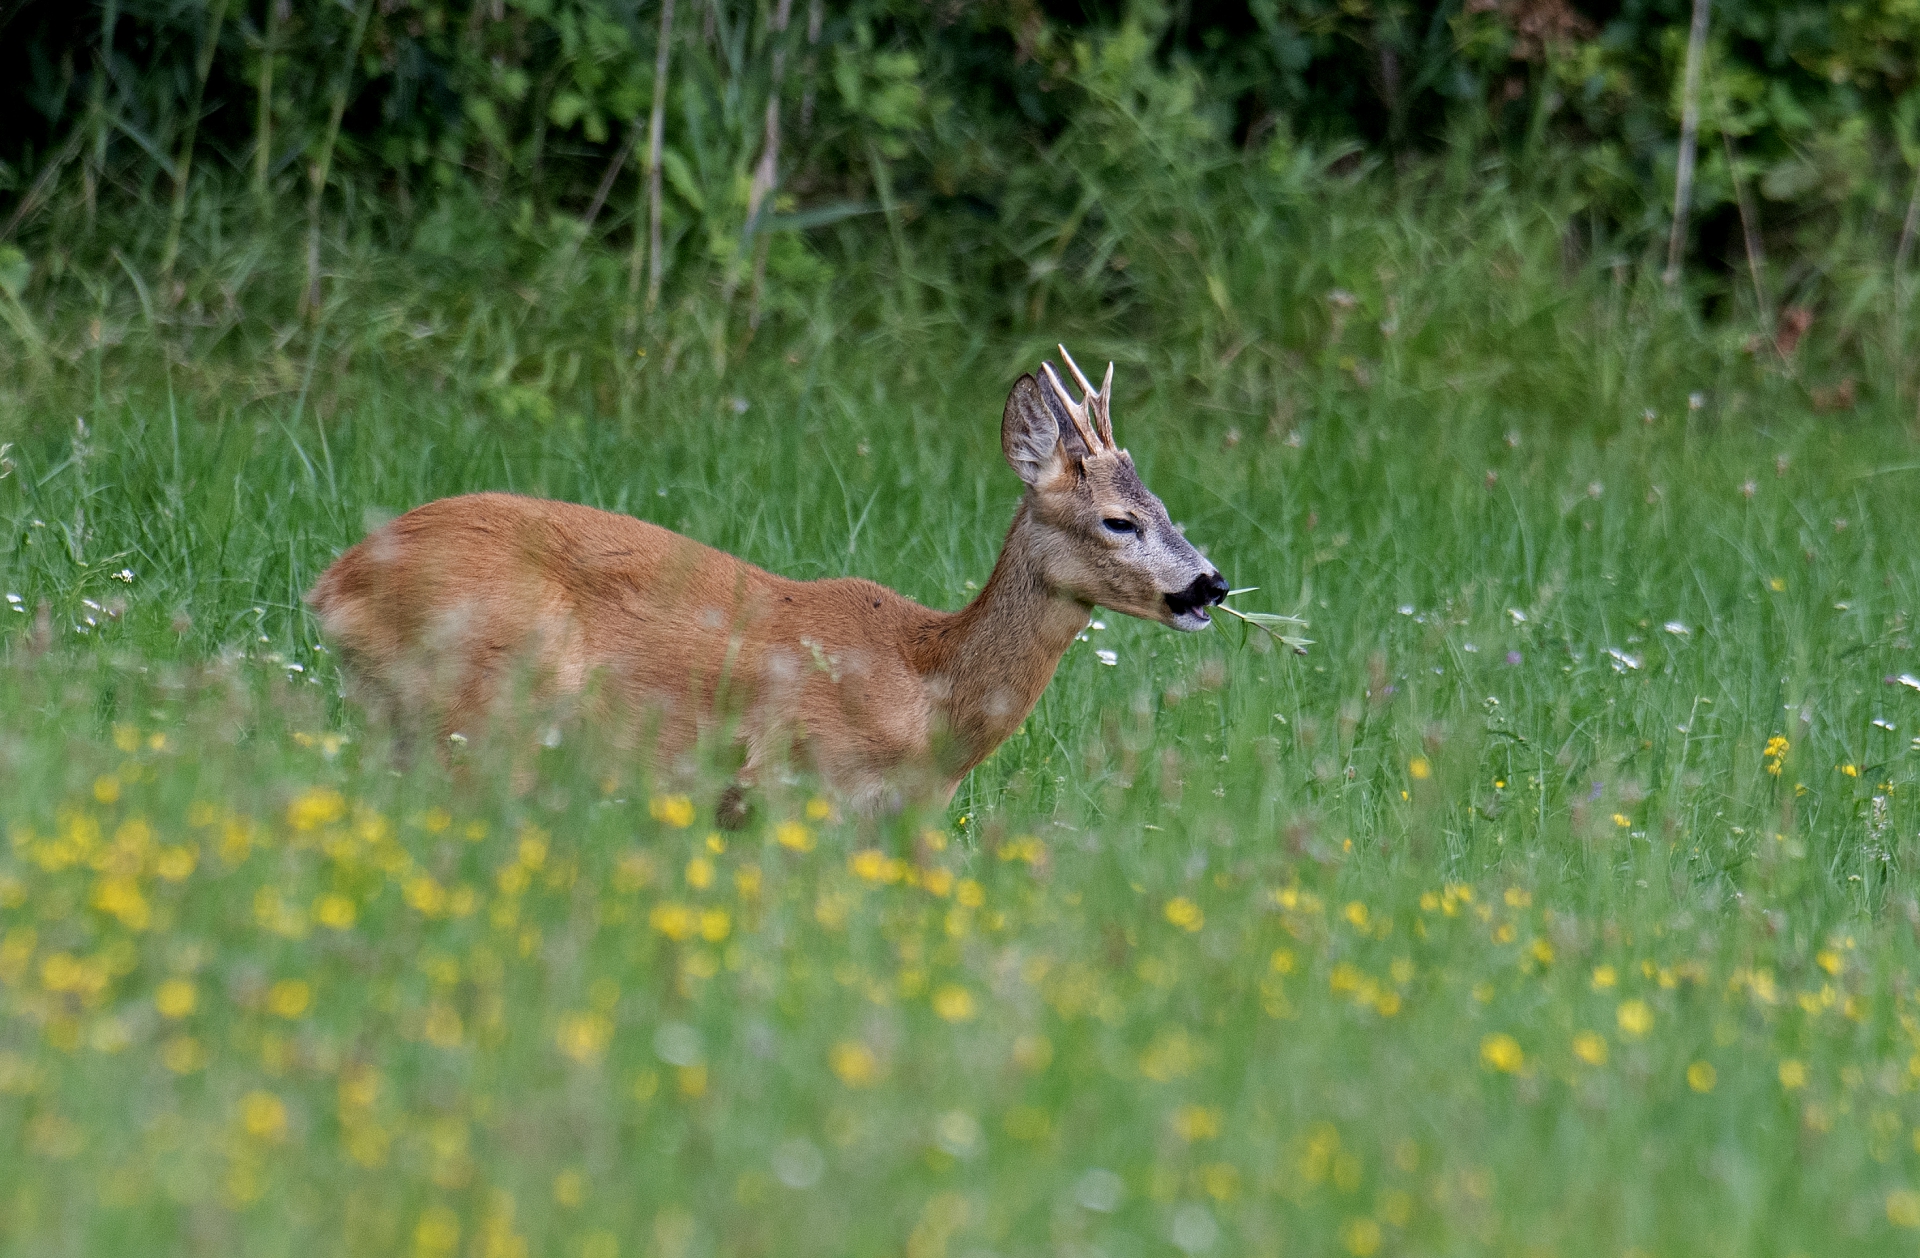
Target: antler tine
(1080,377)
(1096,402)
(1075,410)
(1104,412)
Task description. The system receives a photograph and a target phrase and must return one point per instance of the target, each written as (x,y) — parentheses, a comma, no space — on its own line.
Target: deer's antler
(1092,416)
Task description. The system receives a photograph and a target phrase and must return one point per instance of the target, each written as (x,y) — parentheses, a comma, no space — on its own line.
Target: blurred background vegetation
(1144,168)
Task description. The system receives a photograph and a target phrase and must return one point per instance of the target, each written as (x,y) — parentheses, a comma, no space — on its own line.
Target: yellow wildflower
(425,896)
(1634,1017)
(673,810)
(854,1064)
(1793,1074)
(1701,1076)
(569,1189)
(832,908)
(175,998)
(289,998)
(954,1003)
(264,1115)
(1197,1122)
(1361,1237)
(1024,848)
(1185,914)
(442,1026)
(585,1036)
(793,835)
(676,921)
(314,808)
(335,911)
(175,864)
(1221,1181)
(359,1087)
(1172,1055)
(438,1232)
(1502,1052)
(1589,1047)
(1419,768)
(120,898)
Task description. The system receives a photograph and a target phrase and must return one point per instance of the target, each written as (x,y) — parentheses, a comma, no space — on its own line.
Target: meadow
(1561,899)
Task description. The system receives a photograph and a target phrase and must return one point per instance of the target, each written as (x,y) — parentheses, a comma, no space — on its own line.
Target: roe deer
(887,700)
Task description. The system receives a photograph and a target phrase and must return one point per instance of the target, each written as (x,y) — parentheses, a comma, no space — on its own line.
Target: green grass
(1227,950)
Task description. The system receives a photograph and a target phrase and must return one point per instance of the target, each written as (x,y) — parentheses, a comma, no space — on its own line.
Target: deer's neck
(987,664)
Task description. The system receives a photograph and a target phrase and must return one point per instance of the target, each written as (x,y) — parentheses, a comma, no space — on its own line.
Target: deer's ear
(1030,434)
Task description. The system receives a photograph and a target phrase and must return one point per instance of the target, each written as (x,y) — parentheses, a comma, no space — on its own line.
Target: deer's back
(436,610)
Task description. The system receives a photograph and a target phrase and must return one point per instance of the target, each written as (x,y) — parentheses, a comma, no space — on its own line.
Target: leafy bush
(965,118)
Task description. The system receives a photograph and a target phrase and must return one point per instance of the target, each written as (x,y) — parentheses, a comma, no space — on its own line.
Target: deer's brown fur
(435,613)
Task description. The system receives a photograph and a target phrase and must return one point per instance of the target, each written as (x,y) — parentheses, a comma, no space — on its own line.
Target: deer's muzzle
(1206,590)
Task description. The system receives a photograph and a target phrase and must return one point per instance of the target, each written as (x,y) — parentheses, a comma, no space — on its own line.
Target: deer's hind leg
(387,711)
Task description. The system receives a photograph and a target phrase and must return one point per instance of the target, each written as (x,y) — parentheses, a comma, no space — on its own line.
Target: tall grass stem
(1689,135)
(656,136)
(320,167)
(263,116)
(183,168)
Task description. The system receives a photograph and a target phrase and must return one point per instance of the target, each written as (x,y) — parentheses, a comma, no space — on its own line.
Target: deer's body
(441,613)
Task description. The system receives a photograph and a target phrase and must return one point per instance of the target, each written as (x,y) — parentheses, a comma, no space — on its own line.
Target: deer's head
(1100,535)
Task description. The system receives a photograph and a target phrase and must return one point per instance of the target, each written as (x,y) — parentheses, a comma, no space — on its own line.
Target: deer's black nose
(1211,588)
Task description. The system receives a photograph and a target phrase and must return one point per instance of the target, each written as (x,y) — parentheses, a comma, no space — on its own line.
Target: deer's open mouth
(1189,606)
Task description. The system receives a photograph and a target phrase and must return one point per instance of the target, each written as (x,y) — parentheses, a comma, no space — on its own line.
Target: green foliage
(1000,134)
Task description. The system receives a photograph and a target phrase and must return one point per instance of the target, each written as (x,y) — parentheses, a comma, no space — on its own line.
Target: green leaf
(818,216)
(566,109)
(680,175)
(15,271)
(1271,623)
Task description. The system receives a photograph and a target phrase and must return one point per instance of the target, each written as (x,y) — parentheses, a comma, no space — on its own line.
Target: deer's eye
(1117,524)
